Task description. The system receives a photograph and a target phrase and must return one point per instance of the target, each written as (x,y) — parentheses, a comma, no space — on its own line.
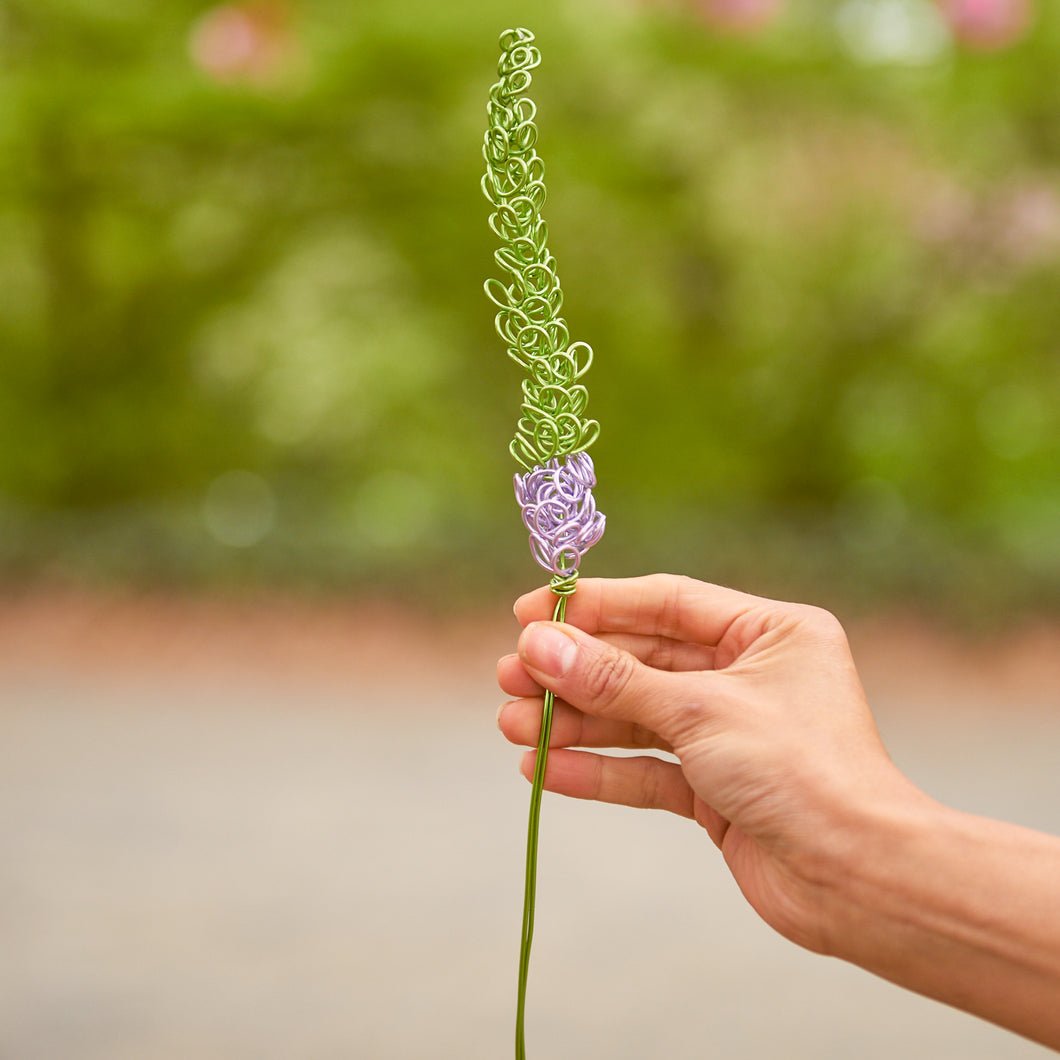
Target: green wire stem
(563,587)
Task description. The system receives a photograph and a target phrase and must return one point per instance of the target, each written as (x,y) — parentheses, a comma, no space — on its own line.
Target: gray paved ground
(201,862)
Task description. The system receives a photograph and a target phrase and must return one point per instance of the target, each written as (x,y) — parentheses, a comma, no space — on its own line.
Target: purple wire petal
(560,512)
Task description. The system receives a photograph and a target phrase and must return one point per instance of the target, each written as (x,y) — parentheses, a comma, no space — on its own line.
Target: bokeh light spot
(239,508)
(909,32)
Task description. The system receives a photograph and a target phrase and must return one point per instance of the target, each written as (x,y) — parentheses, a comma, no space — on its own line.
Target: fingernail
(500,710)
(548,650)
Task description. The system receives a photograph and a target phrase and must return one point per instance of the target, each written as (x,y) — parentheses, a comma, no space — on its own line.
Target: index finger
(667,605)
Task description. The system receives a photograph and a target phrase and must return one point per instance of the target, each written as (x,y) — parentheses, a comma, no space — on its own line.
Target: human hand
(776,753)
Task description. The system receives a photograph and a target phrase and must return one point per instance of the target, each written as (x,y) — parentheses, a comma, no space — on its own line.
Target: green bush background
(822,292)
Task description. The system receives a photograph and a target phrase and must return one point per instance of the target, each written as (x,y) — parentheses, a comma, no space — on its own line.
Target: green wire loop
(529,299)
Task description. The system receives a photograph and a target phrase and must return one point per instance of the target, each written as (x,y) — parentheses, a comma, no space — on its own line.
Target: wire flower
(555,489)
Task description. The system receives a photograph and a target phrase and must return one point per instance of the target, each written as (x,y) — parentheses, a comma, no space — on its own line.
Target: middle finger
(520,721)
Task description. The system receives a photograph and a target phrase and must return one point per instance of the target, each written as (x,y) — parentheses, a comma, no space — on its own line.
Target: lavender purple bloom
(559,511)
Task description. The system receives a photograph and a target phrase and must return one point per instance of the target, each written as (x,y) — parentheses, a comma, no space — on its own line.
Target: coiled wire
(553,421)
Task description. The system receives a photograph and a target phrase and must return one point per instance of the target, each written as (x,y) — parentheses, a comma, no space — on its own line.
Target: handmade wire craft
(555,489)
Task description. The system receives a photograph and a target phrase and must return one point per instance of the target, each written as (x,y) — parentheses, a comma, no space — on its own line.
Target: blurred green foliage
(243,334)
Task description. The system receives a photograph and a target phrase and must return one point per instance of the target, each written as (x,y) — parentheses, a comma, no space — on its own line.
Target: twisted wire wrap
(563,585)
(553,422)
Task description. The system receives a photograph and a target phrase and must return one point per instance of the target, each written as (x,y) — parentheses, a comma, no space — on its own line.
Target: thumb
(594,676)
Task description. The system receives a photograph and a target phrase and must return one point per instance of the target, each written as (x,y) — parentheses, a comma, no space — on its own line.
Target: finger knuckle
(818,621)
(649,789)
(607,675)
(686,719)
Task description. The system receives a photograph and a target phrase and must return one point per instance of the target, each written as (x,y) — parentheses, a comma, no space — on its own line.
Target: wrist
(849,875)
(878,864)
(955,907)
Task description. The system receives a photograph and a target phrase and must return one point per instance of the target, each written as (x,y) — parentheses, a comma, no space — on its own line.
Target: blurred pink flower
(997,234)
(250,41)
(739,16)
(987,24)
(1030,223)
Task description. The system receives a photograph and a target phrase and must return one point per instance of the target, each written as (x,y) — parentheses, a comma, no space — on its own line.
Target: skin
(772,749)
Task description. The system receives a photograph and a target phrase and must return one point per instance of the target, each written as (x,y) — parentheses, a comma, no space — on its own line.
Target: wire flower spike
(554,490)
